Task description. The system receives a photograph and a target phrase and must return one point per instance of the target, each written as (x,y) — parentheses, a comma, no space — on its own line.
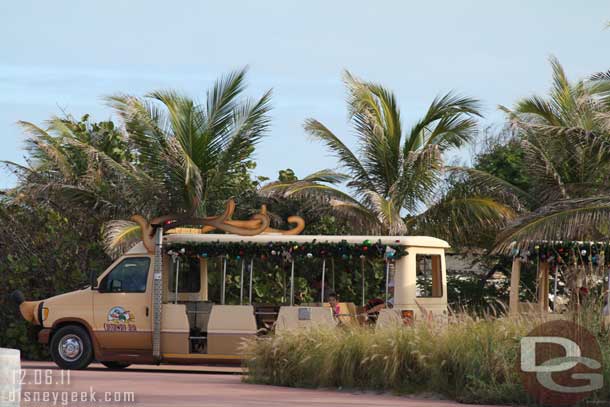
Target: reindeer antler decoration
(257,224)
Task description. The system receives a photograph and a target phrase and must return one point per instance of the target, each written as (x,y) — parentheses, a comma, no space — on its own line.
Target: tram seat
(266,315)
(291,317)
(228,326)
(361,316)
(198,313)
(388,317)
(348,313)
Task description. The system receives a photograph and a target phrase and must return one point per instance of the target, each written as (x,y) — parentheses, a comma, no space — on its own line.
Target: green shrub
(42,254)
(469,359)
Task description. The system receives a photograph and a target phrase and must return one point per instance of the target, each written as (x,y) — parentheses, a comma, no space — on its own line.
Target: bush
(43,254)
(470,359)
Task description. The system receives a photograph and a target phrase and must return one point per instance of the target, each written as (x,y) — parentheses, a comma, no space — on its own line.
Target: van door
(121,306)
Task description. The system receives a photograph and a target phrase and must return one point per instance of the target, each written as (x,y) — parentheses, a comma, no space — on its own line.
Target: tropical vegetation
(542,176)
(395,182)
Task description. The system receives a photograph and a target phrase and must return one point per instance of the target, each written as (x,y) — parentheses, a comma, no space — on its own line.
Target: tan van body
(120,326)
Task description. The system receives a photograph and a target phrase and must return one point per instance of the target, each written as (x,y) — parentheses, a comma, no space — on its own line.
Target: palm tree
(171,155)
(395,183)
(195,152)
(566,139)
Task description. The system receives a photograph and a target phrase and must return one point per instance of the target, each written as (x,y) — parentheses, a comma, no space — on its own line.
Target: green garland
(291,250)
(576,253)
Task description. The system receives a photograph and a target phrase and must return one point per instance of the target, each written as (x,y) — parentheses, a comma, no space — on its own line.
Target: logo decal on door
(120,320)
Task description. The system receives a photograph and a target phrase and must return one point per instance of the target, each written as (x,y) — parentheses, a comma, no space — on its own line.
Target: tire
(71,347)
(116,365)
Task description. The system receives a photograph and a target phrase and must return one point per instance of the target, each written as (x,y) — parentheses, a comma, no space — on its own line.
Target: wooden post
(437,277)
(543,286)
(515,277)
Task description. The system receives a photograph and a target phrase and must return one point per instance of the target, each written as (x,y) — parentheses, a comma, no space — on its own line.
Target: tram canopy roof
(406,241)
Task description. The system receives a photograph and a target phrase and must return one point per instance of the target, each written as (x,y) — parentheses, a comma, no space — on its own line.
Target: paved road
(178,386)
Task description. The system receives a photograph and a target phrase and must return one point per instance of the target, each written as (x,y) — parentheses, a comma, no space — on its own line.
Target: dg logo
(560,363)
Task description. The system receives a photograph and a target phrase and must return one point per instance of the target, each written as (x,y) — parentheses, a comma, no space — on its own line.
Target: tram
(151,305)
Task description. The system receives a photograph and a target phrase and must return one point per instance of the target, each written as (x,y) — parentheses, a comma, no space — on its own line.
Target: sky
(65,56)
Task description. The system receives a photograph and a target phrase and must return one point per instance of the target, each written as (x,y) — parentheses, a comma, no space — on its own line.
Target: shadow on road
(215,370)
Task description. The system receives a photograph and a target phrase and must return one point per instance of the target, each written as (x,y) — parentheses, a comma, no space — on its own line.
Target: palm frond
(327,176)
(118,236)
(448,123)
(359,218)
(570,219)
(601,76)
(346,157)
(493,185)
(460,219)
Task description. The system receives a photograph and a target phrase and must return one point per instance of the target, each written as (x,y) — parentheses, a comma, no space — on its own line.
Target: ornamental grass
(469,359)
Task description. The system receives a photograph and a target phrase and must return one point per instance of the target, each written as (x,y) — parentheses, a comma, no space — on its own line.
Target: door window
(429,276)
(129,276)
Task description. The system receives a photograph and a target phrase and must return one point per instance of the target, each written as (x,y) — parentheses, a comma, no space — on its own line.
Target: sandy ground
(183,386)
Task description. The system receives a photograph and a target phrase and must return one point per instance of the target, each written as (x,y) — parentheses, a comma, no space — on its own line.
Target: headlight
(42,314)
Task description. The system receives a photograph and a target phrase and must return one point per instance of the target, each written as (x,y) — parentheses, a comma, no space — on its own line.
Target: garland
(289,250)
(571,253)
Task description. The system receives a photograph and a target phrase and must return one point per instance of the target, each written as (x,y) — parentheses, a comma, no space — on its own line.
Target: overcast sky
(65,55)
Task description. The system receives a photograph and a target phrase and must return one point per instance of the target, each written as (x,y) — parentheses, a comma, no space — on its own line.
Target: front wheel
(116,365)
(71,348)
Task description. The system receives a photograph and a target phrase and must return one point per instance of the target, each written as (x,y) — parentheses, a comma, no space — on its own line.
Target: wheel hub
(70,348)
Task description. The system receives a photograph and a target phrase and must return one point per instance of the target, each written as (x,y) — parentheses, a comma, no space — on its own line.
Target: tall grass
(469,359)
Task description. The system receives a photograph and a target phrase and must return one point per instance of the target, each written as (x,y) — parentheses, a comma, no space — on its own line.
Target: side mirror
(92,280)
(116,285)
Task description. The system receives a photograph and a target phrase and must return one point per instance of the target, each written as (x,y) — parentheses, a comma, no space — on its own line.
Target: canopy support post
(251,275)
(241,284)
(515,277)
(323,276)
(223,284)
(177,278)
(332,264)
(543,286)
(387,280)
(555,282)
(157,295)
(292,283)
(363,280)
(284,285)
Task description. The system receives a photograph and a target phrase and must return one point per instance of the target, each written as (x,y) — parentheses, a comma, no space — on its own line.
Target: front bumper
(44,335)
